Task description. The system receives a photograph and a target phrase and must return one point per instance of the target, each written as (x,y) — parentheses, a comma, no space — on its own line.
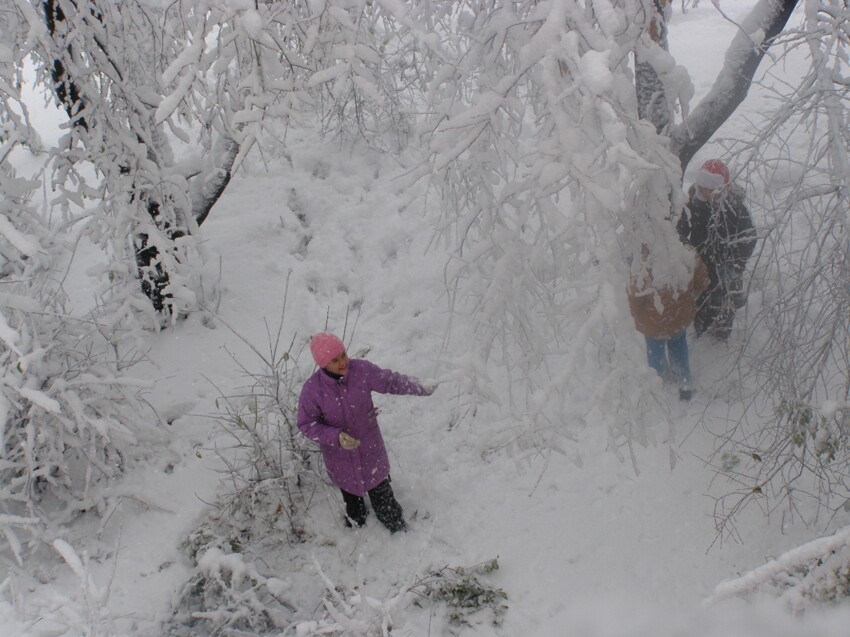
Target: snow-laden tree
(65,413)
(558,136)
(551,183)
(166,99)
(104,61)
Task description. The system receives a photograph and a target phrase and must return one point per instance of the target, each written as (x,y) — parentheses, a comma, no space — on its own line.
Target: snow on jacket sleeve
(309,419)
(386,381)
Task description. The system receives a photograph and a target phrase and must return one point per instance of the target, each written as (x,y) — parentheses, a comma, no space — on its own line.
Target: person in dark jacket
(336,411)
(718,224)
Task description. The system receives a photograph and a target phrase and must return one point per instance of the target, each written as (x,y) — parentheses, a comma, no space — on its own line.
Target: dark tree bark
(652,104)
(65,88)
(215,181)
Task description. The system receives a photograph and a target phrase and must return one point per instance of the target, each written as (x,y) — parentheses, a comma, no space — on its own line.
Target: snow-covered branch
(757,33)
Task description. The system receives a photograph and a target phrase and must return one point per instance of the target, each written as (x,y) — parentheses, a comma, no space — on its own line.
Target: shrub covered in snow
(67,412)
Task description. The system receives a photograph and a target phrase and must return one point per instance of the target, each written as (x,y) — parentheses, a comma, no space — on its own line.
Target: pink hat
(712,175)
(325,347)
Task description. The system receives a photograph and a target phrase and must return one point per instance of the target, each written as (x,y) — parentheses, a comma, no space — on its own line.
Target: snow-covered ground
(594,550)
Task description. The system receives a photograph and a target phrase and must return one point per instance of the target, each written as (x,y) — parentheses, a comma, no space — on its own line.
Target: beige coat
(678,310)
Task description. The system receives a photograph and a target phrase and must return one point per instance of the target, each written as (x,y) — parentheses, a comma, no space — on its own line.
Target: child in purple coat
(335,410)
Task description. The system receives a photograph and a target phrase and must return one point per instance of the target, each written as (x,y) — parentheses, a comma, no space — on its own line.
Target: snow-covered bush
(228,596)
(270,466)
(795,364)
(463,592)
(66,409)
(269,484)
(795,461)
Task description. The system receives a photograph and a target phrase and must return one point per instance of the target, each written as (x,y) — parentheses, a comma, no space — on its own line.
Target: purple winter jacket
(328,406)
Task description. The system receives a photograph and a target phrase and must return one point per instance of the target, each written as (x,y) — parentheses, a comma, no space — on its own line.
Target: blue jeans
(669,356)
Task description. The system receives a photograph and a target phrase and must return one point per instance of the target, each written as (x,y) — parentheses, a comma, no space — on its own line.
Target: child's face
(338,365)
(705,193)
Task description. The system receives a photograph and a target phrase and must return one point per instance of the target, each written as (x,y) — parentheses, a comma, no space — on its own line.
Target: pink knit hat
(712,175)
(325,347)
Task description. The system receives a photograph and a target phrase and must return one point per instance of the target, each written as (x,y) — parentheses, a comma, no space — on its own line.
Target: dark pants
(387,509)
(714,315)
(717,305)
